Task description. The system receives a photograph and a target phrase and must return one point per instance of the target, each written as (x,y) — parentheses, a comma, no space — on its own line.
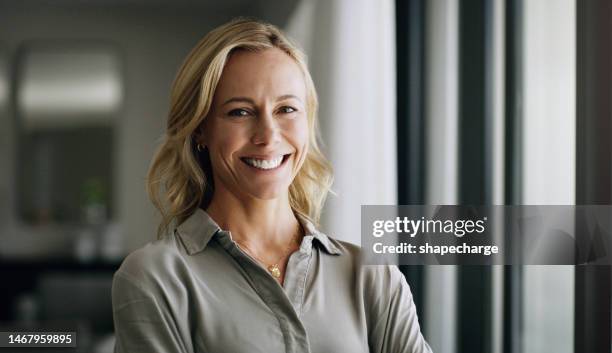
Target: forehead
(257,74)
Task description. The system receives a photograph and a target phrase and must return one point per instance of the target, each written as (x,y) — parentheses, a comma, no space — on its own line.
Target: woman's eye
(287,110)
(238,113)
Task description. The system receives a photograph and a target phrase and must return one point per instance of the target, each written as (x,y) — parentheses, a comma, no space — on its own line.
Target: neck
(261,224)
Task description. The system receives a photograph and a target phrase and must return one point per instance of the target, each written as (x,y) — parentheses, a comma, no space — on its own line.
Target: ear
(200,140)
(199,135)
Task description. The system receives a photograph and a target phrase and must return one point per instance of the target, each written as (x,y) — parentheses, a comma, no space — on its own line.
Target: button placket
(295,277)
(273,295)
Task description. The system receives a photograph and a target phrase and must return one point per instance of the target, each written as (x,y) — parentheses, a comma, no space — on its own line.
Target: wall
(152,38)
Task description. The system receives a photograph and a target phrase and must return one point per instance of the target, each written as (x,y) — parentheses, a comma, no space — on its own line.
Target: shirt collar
(199,228)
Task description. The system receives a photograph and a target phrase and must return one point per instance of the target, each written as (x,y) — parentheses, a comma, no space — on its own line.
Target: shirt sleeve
(396,326)
(143,322)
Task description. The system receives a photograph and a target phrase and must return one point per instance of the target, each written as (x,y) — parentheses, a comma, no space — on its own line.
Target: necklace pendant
(275,271)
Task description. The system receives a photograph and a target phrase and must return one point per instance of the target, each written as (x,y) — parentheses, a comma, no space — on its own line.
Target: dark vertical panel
(513,284)
(474,328)
(410,16)
(410,29)
(592,309)
(594,108)
(593,164)
(512,309)
(471,102)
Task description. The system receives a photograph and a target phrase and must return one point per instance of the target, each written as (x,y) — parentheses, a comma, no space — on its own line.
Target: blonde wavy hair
(180,177)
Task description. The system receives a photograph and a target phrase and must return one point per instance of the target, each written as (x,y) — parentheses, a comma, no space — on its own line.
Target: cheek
(299,134)
(227,140)
(299,138)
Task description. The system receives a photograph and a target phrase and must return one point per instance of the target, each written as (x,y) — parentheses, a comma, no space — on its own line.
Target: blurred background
(422,102)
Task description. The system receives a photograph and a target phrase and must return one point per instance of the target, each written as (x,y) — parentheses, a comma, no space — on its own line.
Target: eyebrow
(250,101)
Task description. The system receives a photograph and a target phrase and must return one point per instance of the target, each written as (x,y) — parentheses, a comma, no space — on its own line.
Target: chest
(244,309)
(243,323)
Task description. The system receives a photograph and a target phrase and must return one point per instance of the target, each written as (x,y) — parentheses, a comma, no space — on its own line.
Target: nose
(266,130)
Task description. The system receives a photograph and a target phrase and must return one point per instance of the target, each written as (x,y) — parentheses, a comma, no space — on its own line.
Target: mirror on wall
(68,97)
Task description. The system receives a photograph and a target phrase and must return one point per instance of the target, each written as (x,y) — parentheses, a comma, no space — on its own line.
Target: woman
(241,175)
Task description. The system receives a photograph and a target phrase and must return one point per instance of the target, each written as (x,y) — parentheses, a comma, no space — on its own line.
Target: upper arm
(394,322)
(144,322)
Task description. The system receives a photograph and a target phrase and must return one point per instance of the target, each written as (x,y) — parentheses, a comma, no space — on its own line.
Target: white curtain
(351,50)
(549,162)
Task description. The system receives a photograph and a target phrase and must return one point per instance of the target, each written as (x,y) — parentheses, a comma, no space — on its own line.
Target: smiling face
(257,130)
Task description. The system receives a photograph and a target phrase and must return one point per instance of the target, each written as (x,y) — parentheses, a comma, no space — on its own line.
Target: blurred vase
(85,245)
(111,243)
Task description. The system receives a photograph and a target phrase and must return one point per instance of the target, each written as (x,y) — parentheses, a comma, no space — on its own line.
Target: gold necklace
(274,269)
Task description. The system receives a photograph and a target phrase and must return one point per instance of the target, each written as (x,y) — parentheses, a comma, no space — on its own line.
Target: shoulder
(370,276)
(346,248)
(157,261)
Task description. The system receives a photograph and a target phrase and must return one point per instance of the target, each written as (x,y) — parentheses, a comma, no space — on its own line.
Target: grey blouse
(197,291)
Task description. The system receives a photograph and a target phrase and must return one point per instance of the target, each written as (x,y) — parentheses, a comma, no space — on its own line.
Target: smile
(265,164)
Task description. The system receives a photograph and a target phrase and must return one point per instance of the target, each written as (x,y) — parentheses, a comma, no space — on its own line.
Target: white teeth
(264,163)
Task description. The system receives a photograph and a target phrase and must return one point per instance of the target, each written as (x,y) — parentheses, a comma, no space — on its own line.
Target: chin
(269,193)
